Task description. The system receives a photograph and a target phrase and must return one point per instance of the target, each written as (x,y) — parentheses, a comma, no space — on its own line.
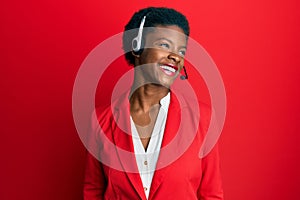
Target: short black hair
(154,16)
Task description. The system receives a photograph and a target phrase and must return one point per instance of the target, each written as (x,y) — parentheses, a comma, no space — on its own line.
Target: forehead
(172,32)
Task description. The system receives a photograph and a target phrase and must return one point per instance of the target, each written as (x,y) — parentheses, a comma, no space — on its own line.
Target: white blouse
(146,160)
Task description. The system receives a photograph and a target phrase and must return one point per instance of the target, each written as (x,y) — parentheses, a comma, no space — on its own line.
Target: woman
(148,119)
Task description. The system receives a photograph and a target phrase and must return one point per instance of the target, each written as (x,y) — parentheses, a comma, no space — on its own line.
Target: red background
(255,45)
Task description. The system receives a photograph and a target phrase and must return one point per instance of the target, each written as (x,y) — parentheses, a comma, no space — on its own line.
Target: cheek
(149,56)
(182,62)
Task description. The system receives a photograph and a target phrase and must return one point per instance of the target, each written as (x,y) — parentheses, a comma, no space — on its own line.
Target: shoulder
(106,113)
(192,104)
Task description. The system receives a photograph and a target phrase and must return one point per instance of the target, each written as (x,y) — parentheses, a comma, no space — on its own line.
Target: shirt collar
(165,102)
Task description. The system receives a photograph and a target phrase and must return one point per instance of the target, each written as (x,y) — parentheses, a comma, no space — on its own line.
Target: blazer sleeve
(94,180)
(211,183)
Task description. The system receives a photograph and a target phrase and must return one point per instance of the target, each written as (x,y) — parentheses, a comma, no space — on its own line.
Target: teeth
(168,68)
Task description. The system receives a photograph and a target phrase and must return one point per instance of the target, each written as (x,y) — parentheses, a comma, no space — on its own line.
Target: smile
(168,69)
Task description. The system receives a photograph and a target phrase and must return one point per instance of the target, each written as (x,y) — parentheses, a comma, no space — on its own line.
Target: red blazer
(187,177)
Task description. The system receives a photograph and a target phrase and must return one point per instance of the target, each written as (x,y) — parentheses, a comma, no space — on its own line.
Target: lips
(169,69)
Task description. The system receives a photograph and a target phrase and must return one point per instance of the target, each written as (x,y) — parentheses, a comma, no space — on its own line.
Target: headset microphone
(184,77)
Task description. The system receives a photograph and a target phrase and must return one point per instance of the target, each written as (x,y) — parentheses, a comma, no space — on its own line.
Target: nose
(175,57)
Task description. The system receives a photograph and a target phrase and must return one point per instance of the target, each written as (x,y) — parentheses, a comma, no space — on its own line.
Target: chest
(144,124)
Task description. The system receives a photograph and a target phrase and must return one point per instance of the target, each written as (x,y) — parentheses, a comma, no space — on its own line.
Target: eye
(164,45)
(182,52)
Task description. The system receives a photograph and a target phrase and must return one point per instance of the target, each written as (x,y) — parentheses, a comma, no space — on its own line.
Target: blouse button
(145,162)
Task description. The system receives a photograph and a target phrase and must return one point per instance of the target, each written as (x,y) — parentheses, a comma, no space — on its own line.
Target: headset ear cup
(135,46)
(136,52)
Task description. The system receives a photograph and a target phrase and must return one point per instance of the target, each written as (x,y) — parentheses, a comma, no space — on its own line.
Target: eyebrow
(163,38)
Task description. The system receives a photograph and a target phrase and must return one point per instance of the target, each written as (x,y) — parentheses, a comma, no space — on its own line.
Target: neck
(146,96)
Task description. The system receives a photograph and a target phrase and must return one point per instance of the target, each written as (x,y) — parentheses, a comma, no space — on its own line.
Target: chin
(167,81)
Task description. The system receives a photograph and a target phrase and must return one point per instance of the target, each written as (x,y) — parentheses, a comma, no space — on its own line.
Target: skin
(166,45)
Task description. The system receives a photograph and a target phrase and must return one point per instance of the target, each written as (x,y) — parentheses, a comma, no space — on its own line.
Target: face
(163,56)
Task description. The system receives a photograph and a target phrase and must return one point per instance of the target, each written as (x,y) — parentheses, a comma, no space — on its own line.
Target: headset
(137,43)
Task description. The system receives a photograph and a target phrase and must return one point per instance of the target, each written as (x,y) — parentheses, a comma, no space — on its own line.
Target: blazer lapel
(171,129)
(181,128)
(123,141)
